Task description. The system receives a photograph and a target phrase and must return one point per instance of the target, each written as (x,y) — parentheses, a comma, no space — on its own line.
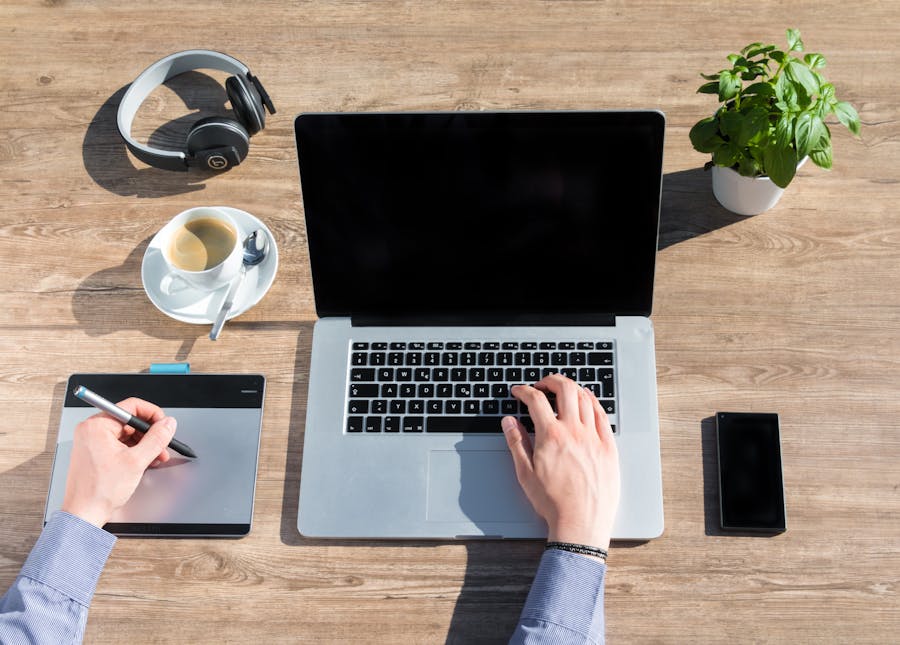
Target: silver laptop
(454,255)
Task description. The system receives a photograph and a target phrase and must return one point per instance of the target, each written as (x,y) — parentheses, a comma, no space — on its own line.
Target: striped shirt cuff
(69,556)
(567,596)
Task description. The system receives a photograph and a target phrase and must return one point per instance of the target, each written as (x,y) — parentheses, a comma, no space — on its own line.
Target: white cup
(202,246)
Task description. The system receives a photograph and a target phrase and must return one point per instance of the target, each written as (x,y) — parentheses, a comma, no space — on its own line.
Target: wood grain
(795,311)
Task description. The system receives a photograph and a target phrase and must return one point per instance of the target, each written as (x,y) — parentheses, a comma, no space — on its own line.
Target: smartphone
(751,484)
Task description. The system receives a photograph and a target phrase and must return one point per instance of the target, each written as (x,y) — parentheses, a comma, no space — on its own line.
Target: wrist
(87,512)
(574,534)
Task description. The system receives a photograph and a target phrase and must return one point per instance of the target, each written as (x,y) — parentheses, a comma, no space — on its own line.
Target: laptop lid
(432,218)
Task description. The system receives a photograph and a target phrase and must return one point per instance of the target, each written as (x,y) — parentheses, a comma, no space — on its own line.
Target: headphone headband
(154,76)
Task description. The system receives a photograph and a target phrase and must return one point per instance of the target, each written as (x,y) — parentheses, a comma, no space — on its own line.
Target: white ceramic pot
(745,195)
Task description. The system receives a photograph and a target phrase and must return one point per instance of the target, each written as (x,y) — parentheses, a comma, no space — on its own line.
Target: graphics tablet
(219,416)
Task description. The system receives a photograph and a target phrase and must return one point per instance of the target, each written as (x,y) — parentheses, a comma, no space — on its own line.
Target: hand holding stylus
(108,460)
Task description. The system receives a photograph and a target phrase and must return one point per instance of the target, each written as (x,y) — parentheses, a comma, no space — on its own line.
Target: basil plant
(773,111)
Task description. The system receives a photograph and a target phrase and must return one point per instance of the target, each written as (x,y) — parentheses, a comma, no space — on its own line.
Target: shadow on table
(107,160)
(25,494)
(689,208)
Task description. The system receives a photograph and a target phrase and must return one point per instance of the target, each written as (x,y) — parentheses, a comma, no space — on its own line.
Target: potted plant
(771,119)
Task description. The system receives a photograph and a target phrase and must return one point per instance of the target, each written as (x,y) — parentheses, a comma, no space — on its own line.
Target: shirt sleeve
(565,604)
(49,600)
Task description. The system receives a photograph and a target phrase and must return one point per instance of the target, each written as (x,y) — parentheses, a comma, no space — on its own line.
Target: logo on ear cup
(217,162)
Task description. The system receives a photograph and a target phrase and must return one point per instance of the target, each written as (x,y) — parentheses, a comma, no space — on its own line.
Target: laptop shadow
(689,209)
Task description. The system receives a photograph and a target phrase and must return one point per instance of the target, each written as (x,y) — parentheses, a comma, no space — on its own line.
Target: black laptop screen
(482,214)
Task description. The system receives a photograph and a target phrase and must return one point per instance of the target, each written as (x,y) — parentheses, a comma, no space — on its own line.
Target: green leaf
(822,155)
(710,77)
(847,115)
(808,131)
(815,61)
(762,89)
(756,49)
(709,88)
(801,74)
(730,123)
(784,131)
(729,85)
(754,126)
(777,56)
(781,164)
(705,135)
(794,42)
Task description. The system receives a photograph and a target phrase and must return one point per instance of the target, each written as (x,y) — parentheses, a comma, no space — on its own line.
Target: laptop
(452,256)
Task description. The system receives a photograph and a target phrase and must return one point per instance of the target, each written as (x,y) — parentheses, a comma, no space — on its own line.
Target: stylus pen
(127,418)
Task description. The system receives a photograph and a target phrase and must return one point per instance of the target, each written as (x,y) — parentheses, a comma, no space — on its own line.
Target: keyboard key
(431,358)
(500,391)
(398,346)
(389,390)
(363,390)
(449,359)
(467,358)
(444,390)
(422,374)
(413,424)
(531,375)
(414,358)
(576,358)
(510,345)
(404,374)
(453,406)
(471,406)
(385,374)
(476,374)
(373,424)
(613,428)
(377,358)
(540,358)
(492,346)
(548,345)
(458,374)
(604,345)
(491,406)
(463,424)
(600,358)
(407,390)
(395,358)
(569,372)
(514,374)
(358,407)
(379,406)
(608,406)
(567,345)
(523,358)
(357,346)
(584,345)
(435,406)
(435,345)
(361,374)
(509,406)
(559,358)
(486,359)
(398,406)
(529,345)
(392,424)
(440,374)
(462,391)
(481,390)
(359,358)
(416,347)
(505,358)
(495,374)
(379,347)
(426,390)
(454,346)
(472,345)
(354,424)
(587,374)
(416,406)
(606,379)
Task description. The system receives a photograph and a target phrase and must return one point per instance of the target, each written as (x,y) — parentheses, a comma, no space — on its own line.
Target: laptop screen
(506,216)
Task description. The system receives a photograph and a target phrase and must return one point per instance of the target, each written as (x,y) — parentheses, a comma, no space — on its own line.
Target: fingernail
(508,423)
(171,423)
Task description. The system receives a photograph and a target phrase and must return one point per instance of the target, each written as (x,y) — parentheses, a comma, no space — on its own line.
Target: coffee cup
(202,246)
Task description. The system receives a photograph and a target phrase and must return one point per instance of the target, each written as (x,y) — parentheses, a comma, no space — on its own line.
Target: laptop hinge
(486,320)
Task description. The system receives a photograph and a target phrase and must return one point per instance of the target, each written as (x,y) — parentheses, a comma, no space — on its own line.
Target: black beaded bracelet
(582,549)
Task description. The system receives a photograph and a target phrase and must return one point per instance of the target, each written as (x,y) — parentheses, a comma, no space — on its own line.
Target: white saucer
(181,301)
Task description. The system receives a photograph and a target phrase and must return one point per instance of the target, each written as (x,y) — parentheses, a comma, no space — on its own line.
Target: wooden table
(795,311)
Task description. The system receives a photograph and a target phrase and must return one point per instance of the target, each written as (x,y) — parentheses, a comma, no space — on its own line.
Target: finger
(153,444)
(142,409)
(566,392)
(539,408)
(519,445)
(604,429)
(586,408)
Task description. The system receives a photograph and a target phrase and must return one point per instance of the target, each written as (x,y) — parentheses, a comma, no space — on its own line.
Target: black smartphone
(751,486)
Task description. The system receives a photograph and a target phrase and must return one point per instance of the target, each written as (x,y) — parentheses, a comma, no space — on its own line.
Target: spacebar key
(463,424)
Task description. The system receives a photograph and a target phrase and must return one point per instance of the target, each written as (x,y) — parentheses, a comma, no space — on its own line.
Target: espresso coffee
(201,244)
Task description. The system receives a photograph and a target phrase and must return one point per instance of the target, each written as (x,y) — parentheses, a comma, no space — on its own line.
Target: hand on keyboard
(570,473)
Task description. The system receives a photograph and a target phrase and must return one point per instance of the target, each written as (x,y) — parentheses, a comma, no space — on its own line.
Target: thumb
(519,445)
(154,442)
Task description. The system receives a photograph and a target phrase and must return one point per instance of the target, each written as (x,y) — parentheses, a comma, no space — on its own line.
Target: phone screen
(751,489)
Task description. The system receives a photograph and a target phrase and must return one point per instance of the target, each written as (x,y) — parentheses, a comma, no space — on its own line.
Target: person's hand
(109,458)
(571,473)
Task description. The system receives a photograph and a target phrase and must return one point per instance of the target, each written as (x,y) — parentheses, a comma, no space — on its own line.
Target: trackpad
(475,486)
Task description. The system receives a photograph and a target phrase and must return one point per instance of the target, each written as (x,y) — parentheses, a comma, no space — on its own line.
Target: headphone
(213,142)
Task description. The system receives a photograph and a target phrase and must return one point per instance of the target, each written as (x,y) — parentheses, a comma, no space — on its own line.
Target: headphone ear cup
(246,103)
(218,142)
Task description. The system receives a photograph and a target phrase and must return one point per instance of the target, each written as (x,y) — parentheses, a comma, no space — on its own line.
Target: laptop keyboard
(439,386)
